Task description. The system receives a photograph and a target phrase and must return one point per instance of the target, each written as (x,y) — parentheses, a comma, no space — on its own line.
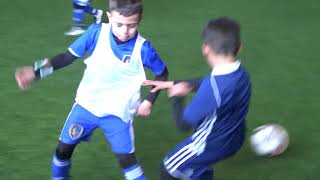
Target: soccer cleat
(98,16)
(75,31)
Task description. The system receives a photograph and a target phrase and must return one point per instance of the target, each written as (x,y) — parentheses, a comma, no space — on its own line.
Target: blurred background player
(108,96)
(80,7)
(216,112)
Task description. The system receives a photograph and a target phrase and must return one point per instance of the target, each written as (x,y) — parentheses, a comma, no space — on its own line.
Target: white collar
(226,68)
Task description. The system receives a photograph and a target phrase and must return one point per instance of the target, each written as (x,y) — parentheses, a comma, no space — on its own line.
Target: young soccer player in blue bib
(216,112)
(108,96)
(80,7)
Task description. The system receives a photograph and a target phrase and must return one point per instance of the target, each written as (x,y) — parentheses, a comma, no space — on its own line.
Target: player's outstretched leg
(61,162)
(131,169)
(120,135)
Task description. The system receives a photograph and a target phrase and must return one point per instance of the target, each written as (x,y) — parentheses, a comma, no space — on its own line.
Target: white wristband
(44,68)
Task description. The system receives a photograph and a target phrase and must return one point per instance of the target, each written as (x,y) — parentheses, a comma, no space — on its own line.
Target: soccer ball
(269,140)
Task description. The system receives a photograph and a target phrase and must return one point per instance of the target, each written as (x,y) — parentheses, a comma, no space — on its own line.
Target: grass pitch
(280,50)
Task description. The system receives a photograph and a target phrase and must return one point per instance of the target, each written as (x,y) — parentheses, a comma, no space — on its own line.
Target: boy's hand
(144,109)
(179,89)
(158,85)
(24,77)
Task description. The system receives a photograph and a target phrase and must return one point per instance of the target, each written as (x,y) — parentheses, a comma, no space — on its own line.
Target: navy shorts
(196,154)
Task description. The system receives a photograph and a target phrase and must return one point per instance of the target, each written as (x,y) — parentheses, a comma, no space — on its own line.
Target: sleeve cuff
(73,53)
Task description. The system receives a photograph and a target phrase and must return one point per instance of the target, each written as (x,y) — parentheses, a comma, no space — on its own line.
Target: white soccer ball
(269,140)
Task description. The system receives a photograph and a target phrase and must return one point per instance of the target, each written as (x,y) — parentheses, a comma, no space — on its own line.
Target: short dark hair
(126,7)
(222,35)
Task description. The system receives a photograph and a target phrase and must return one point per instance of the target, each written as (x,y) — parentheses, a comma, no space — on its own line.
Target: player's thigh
(78,126)
(189,160)
(119,134)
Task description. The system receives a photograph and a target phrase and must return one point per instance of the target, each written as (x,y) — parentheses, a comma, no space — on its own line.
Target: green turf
(280,50)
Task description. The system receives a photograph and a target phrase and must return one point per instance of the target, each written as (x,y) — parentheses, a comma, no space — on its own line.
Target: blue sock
(90,10)
(134,172)
(78,16)
(60,168)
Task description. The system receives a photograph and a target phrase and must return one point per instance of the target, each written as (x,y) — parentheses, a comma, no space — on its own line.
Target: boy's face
(124,28)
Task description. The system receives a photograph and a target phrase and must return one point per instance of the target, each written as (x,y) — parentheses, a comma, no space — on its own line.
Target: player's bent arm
(152,96)
(178,108)
(202,105)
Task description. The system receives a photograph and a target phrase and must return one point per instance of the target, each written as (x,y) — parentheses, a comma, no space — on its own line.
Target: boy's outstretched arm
(152,96)
(62,60)
(25,75)
(193,83)
(185,85)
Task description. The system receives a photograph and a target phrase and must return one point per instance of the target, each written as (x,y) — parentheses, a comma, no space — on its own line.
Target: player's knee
(126,160)
(164,174)
(64,151)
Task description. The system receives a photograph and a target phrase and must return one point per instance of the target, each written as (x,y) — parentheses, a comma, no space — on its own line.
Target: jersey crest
(75,131)
(126,58)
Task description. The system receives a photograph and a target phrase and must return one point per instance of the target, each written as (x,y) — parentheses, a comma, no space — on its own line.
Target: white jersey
(110,86)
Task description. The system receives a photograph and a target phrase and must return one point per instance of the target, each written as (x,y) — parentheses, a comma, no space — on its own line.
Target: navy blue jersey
(223,100)
(217,113)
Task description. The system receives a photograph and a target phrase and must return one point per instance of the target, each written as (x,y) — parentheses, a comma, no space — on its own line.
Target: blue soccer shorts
(81,123)
(194,156)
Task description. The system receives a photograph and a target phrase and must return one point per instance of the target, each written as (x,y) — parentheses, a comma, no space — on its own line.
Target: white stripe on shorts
(196,147)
